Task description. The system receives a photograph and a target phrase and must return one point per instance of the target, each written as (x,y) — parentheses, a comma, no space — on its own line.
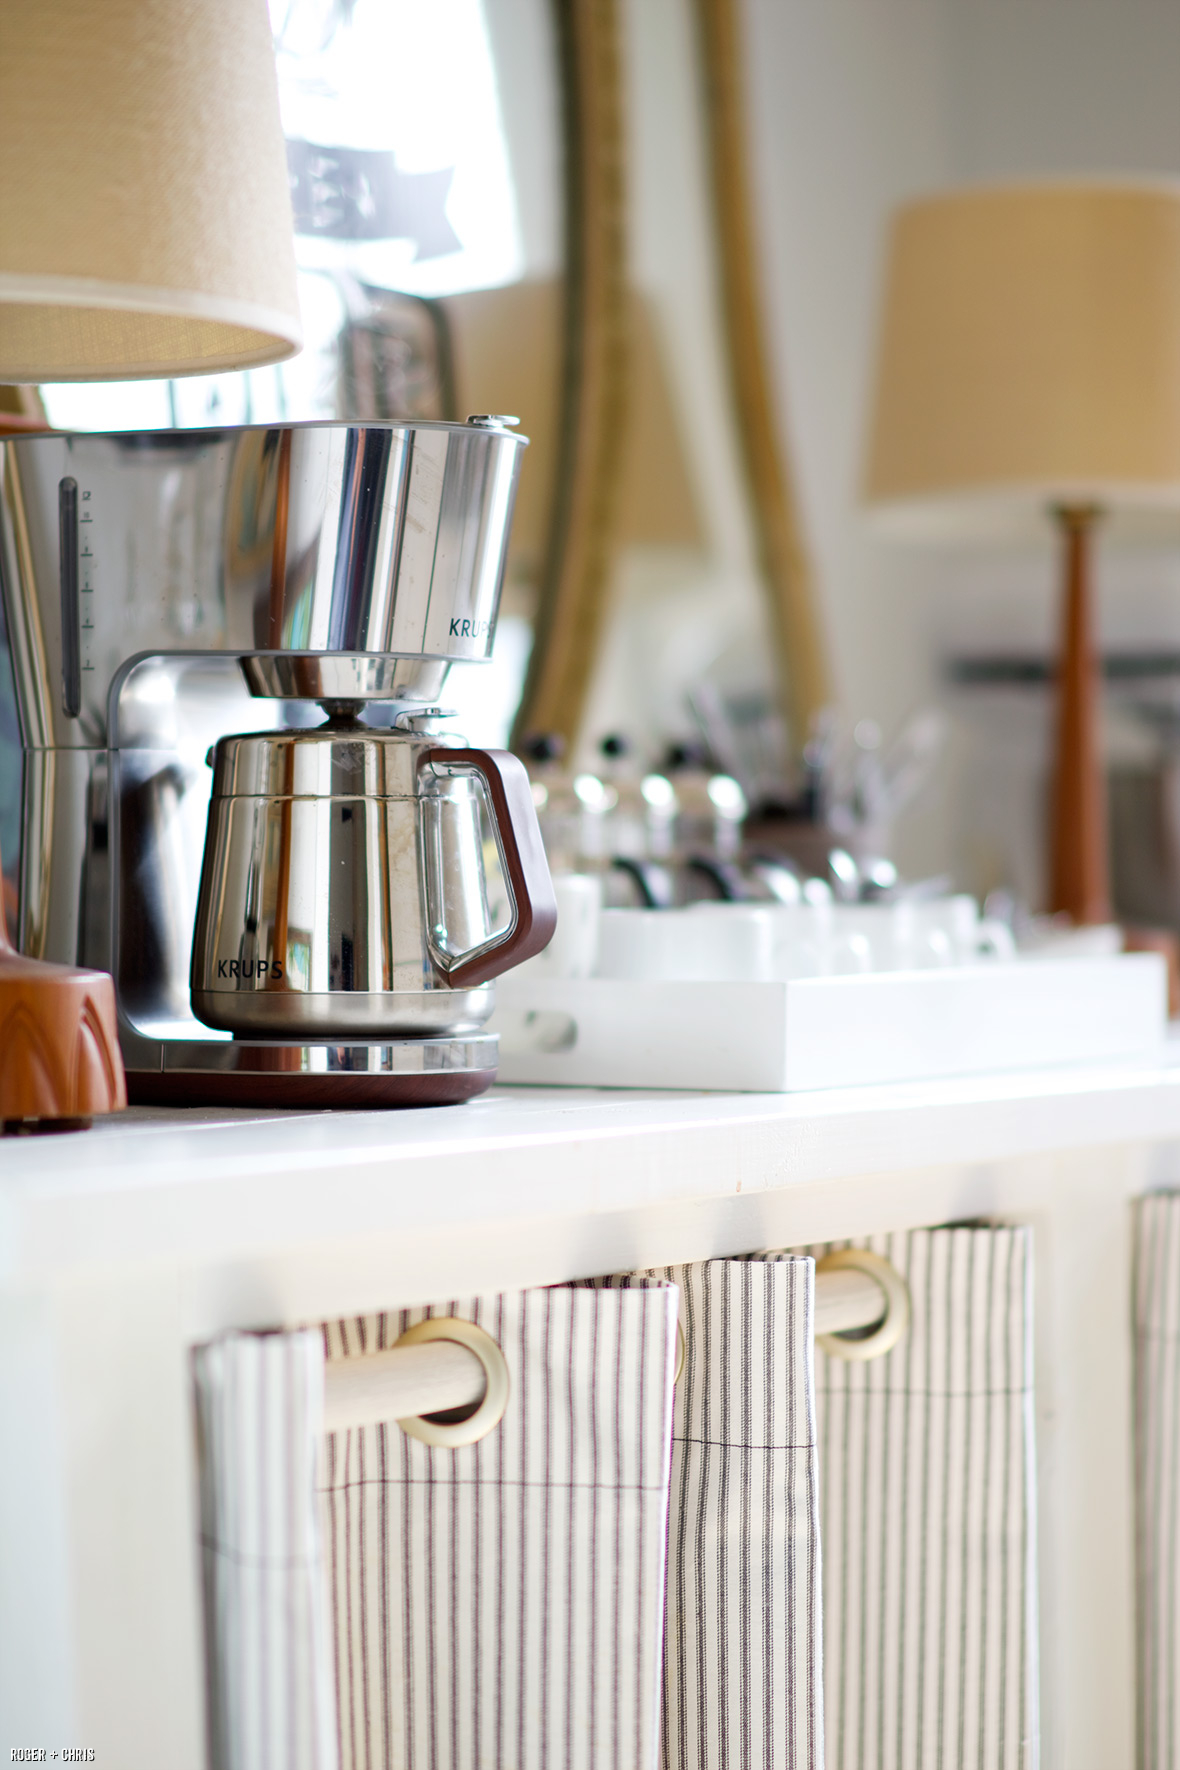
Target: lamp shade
(145,214)
(1029,354)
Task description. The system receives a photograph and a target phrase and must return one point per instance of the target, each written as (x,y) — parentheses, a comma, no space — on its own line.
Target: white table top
(206,1187)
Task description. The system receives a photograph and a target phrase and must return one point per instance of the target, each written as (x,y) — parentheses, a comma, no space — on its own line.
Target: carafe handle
(523,852)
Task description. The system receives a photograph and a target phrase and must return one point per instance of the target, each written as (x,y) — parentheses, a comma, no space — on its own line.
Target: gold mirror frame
(803,675)
(594,404)
(593,400)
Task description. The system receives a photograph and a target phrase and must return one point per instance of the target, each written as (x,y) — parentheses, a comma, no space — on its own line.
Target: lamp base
(1079,860)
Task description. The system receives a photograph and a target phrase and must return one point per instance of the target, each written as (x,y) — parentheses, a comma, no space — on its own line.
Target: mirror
(424,153)
(449,165)
(709,632)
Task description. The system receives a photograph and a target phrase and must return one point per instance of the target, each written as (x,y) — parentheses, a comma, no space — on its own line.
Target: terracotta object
(21,423)
(59,1049)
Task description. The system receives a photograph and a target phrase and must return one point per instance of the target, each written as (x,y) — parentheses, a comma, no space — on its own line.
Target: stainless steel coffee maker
(240,795)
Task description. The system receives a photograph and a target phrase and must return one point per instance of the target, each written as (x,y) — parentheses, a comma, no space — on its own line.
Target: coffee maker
(239,792)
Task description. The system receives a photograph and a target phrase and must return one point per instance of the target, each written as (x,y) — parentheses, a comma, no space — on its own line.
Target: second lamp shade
(1030,351)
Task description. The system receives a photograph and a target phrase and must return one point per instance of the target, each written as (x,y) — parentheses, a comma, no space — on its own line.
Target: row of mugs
(753,943)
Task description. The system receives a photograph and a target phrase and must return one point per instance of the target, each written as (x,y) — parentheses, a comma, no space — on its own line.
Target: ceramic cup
(732,943)
(897,936)
(924,934)
(573,950)
(747,943)
(950,930)
(805,941)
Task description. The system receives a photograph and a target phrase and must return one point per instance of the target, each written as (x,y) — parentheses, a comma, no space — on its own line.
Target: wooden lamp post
(1029,364)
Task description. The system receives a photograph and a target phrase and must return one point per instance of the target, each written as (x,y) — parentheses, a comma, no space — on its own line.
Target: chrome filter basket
(338,560)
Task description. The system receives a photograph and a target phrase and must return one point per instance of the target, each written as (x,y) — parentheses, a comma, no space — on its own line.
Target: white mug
(573,950)
(969,937)
(805,942)
(734,943)
(748,943)
(923,934)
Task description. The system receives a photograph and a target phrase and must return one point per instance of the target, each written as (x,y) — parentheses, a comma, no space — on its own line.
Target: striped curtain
(1156,1304)
(271,1699)
(742,1676)
(500,1607)
(927,1505)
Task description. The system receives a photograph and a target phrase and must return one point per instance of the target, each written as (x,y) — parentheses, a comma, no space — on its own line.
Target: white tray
(829,1032)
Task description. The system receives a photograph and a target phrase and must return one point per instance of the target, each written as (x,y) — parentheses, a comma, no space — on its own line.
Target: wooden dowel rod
(410,1380)
(847,1299)
(397,1384)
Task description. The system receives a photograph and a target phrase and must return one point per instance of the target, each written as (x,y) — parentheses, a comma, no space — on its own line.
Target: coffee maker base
(268,1073)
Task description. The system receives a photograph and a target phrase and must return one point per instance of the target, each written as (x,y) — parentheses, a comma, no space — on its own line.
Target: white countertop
(203,1187)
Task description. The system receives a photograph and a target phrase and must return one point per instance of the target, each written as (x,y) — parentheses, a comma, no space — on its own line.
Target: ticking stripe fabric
(1156,1305)
(743,1673)
(927,1505)
(500,1607)
(271,1695)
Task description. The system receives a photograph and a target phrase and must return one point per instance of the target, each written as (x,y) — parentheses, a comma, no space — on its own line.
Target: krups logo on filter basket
(470,629)
(245,969)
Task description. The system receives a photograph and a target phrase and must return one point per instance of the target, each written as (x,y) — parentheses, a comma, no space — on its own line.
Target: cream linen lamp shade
(145,213)
(1029,354)
(1029,361)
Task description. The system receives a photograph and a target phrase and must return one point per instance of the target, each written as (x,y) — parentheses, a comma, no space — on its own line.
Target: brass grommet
(454,1435)
(681,1353)
(895,1298)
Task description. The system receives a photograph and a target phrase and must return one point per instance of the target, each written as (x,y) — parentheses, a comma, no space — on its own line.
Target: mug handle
(994,940)
(523,852)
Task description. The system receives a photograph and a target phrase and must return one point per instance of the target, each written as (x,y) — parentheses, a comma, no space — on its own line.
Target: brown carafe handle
(511,798)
